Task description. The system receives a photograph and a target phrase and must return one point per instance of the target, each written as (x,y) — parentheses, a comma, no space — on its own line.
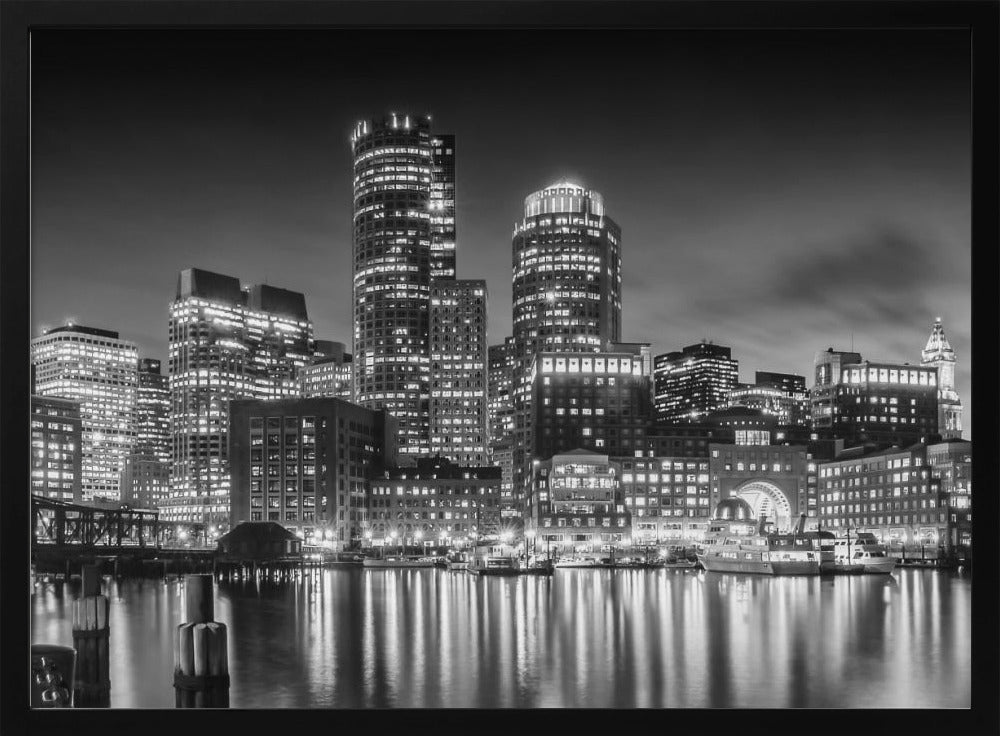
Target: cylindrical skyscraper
(393,158)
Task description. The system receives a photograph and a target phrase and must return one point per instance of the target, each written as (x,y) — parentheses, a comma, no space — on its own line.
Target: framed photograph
(479,366)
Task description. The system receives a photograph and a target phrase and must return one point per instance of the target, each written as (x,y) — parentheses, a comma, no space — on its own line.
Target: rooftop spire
(937,345)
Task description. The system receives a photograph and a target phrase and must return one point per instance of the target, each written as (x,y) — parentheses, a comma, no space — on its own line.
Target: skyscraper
(693,382)
(99,370)
(458,404)
(329,374)
(56,455)
(225,343)
(567,289)
(403,203)
(501,399)
(146,478)
(939,353)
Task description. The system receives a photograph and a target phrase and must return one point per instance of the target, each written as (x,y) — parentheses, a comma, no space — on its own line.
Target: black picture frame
(18,19)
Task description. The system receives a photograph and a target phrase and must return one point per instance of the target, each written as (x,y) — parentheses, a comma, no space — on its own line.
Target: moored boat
(493,559)
(397,561)
(863,551)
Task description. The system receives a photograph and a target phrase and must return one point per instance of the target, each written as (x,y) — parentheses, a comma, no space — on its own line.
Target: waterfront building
(939,354)
(668,497)
(772,479)
(393,162)
(874,403)
(434,503)
(575,504)
(598,401)
(694,381)
(892,493)
(307,464)
(951,465)
(146,477)
(442,207)
(56,448)
(99,370)
(567,290)
(683,440)
(781,395)
(459,411)
(330,373)
(226,343)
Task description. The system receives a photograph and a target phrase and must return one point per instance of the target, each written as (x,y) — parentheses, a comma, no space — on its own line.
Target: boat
(735,543)
(864,551)
(582,561)
(536,567)
(397,561)
(457,562)
(493,559)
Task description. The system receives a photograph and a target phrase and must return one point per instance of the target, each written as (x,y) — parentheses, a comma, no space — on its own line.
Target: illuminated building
(146,478)
(575,504)
(226,342)
(781,395)
(307,464)
(99,370)
(668,497)
(598,401)
(892,493)
(56,448)
(939,354)
(693,382)
(329,374)
(501,398)
(442,206)
(951,464)
(567,290)
(772,479)
(435,503)
(459,411)
(863,402)
(398,188)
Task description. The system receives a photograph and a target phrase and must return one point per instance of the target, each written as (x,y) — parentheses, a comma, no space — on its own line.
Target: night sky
(778,192)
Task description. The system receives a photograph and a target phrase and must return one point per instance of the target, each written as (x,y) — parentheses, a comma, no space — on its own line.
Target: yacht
(397,561)
(863,551)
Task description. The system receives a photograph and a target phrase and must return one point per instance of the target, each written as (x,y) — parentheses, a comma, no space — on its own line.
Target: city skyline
(878,192)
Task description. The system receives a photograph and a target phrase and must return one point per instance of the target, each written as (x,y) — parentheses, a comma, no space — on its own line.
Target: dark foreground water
(583,638)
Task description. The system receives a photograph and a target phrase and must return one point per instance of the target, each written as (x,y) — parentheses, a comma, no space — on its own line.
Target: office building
(575,504)
(442,207)
(781,395)
(146,477)
(435,503)
(329,374)
(939,354)
(668,498)
(99,370)
(226,343)
(772,479)
(690,383)
(56,448)
(459,410)
(501,397)
(951,465)
(307,464)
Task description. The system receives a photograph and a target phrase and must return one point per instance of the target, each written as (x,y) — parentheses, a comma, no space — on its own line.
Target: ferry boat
(735,543)
(397,561)
(863,551)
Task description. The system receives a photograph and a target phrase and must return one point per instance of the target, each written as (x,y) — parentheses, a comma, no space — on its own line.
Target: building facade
(690,383)
(781,395)
(226,343)
(459,410)
(892,493)
(99,370)
(56,448)
(435,503)
(442,205)
(146,477)
(939,354)
(772,479)
(668,498)
(307,464)
(951,465)
(329,374)
(575,504)
(501,396)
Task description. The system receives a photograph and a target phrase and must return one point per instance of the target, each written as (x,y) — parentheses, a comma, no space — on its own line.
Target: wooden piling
(91,637)
(201,656)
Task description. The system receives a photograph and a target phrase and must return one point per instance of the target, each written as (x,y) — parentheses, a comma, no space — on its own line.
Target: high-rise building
(226,342)
(146,477)
(693,382)
(567,290)
(56,452)
(459,411)
(443,207)
(398,188)
(865,402)
(501,398)
(939,354)
(330,373)
(99,370)
(780,395)
(307,464)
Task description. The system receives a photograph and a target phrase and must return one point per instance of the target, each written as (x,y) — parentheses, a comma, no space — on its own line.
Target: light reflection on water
(583,638)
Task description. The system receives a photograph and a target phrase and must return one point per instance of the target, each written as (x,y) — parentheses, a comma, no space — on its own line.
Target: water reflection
(583,638)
